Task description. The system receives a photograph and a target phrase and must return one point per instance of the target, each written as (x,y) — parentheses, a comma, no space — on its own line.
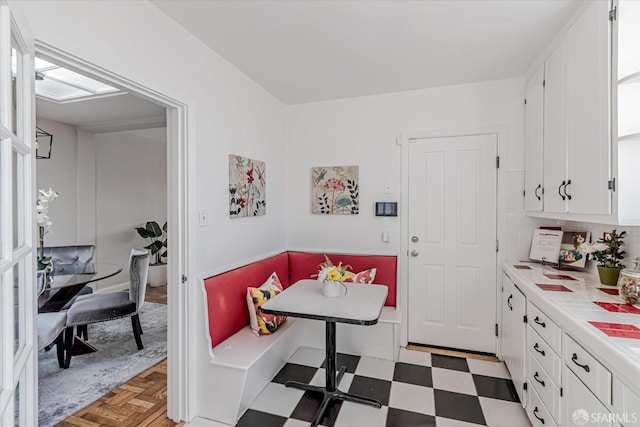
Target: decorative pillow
(366,276)
(262,323)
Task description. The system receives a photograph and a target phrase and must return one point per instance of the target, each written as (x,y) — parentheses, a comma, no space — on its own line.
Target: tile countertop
(574,311)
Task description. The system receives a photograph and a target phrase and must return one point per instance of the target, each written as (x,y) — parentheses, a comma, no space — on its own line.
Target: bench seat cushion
(242,349)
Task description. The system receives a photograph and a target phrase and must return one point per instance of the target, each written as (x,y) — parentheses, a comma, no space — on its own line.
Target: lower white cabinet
(581,407)
(512,339)
(537,411)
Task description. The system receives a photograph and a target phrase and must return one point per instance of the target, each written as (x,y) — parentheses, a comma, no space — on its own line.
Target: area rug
(63,392)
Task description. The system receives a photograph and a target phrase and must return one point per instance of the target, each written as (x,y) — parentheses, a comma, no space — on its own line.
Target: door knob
(414,253)
(414,239)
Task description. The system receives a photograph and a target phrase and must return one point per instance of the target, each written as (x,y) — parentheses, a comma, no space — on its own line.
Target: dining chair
(51,327)
(111,305)
(74,254)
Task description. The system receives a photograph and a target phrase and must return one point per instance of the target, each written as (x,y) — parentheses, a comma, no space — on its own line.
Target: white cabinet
(581,406)
(576,154)
(533,142)
(626,120)
(512,340)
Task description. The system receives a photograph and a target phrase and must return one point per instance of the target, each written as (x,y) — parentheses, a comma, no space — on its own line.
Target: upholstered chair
(105,306)
(50,332)
(70,255)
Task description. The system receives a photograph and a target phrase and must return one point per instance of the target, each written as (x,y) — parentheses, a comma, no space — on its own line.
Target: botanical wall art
(334,190)
(247,186)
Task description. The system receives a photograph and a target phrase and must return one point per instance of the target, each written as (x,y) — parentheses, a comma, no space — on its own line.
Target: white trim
(501,132)
(179,183)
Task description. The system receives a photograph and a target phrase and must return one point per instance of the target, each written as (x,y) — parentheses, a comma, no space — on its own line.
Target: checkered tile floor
(421,389)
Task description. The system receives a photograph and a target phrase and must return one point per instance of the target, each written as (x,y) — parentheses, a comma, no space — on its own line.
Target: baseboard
(453,352)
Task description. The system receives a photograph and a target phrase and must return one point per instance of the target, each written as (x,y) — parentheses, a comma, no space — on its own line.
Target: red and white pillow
(366,276)
(262,323)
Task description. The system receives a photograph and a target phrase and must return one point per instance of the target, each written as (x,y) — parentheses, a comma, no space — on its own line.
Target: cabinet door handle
(535,414)
(574,359)
(535,377)
(536,192)
(536,348)
(565,190)
(537,320)
(509,302)
(560,190)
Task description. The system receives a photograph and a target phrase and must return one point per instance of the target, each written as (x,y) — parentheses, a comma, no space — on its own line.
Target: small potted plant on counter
(608,252)
(157,246)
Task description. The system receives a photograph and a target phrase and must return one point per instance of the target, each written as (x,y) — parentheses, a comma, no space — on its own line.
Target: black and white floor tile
(419,390)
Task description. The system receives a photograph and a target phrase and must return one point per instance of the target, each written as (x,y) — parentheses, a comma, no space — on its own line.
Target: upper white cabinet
(588,172)
(533,143)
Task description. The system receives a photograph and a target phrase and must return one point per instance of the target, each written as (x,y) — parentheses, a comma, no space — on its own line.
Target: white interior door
(452,242)
(18,342)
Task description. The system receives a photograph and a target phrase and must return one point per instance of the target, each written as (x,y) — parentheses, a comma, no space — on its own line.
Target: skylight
(58,84)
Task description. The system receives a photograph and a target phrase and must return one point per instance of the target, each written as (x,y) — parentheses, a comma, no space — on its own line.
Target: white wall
(131,189)
(60,173)
(363,131)
(228,113)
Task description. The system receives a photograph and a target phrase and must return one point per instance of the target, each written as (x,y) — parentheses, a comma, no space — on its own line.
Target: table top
(361,304)
(65,275)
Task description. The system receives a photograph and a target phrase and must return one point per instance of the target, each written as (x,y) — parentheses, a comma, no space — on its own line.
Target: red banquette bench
(226,293)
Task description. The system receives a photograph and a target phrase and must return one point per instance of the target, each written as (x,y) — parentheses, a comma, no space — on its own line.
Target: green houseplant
(157,237)
(608,252)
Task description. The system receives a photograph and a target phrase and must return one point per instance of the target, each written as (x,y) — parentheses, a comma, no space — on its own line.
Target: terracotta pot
(609,276)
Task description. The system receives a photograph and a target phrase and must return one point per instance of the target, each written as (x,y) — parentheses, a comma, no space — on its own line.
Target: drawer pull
(535,414)
(535,347)
(509,302)
(574,359)
(535,377)
(564,183)
(537,320)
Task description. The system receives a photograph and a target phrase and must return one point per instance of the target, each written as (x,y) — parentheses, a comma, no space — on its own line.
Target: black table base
(330,390)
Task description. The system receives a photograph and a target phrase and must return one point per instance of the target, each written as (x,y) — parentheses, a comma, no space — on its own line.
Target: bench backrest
(302,265)
(227,294)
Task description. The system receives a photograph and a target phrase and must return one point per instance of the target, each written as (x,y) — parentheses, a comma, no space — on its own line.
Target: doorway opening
(112,155)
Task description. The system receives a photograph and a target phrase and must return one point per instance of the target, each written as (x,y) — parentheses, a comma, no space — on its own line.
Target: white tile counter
(574,310)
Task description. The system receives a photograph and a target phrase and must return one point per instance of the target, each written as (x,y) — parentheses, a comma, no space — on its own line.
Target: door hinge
(497,246)
(524,386)
(183,279)
(525,101)
(611,185)
(544,83)
(525,319)
(524,193)
(497,162)
(613,14)
(496,329)
(560,391)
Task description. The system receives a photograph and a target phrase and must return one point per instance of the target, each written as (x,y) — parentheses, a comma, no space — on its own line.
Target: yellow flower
(333,275)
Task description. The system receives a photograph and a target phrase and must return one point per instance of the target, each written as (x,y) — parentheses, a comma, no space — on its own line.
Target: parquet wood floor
(141,401)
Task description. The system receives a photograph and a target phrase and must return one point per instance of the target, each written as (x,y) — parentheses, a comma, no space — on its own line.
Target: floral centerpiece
(44,222)
(332,276)
(608,252)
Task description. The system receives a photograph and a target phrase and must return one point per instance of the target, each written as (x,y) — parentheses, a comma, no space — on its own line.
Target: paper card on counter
(545,245)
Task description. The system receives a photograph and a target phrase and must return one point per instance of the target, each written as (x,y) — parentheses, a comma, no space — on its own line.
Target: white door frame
(179,406)
(501,132)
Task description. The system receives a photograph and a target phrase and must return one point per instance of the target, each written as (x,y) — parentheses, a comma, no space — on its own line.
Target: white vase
(157,275)
(331,289)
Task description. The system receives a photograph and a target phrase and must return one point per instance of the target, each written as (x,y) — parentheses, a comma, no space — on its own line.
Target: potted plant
(332,276)
(608,252)
(158,244)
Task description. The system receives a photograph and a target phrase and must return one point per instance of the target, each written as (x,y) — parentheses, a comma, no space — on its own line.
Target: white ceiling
(108,114)
(305,51)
